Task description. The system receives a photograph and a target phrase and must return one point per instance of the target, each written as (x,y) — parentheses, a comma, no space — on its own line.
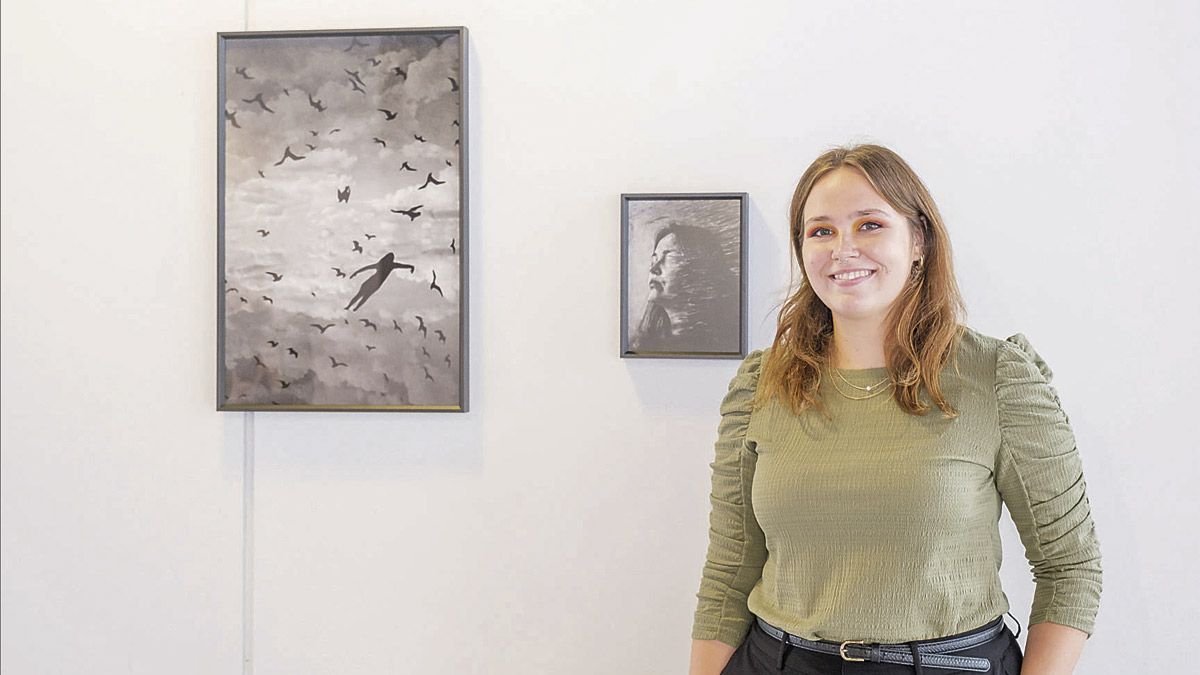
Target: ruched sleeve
(737,548)
(1040,478)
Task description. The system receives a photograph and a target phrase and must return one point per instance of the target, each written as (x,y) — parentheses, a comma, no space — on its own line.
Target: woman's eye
(818,231)
(877,225)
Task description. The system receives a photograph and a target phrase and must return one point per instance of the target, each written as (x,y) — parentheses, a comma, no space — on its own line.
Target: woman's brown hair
(923,325)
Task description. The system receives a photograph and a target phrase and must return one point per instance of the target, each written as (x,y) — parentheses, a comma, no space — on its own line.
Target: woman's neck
(857,347)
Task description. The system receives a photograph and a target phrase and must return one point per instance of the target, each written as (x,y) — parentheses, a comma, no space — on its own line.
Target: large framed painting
(683,286)
(342,220)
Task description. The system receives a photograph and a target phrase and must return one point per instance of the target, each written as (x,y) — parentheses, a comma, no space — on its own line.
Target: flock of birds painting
(283,360)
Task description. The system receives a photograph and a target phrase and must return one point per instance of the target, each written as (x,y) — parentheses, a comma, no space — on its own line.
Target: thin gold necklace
(859,398)
(871,387)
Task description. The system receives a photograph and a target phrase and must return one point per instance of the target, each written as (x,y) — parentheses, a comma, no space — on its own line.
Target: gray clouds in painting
(313,118)
(684,275)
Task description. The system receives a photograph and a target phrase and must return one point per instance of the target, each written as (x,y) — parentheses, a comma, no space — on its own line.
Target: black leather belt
(933,653)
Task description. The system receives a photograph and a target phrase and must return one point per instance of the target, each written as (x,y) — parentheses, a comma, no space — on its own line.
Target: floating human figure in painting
(382,269)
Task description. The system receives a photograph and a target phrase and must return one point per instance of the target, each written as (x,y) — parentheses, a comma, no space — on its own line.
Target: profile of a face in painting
(691,290)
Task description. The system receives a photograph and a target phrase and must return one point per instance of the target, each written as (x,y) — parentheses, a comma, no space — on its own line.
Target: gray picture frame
(695,320)
(373,107)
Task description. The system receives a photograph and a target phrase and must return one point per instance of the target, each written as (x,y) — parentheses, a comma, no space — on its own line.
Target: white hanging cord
(248,544)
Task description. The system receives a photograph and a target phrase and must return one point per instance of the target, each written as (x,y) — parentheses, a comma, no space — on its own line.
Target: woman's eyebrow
(827,219)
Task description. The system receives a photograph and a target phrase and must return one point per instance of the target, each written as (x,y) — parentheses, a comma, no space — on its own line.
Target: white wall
(560,526)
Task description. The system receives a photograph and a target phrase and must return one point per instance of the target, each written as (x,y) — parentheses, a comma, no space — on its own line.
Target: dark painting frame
(373,107)
(710,228)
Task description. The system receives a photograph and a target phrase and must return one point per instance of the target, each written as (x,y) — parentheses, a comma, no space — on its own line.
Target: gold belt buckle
(842,649)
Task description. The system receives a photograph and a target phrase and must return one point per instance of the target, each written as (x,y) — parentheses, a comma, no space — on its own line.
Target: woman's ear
(918,231)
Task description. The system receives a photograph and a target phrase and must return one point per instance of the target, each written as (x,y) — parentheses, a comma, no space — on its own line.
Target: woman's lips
(851,282)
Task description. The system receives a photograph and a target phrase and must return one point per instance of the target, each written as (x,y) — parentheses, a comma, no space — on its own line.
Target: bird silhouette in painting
(357,88)
(425,353)
(448,163)
(412,213)
(259,100)
(374,61)
(274,276)
(421,326)
(316,103)
(284,384)
(313,132)
(380,141)
(357,246)
(261,174)
(368,235)
(344,194)
(356,43)
(258,361)
(334,363)
(263,232)
(367,323)
(338,271)
(406,167)
(268,299)
(231,289)
(322,328)
(383,268)
(429,179)
(427,375)
(443,38)
(455,124)
(370,348)
(354,76)
(295,354)
(273,343)
(310,146)
(433,285)
(456,141)
(334,130)
(453,84)
(244,301)
(452,249)
(397,70)
(420,139)
(388,113)
(441,336)
(232,117)
(241,70)
(287,92)
(287,154)
(447,360)
(397,326)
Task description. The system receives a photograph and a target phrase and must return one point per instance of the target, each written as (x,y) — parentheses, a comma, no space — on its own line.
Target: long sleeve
(737,547)
(1040,478)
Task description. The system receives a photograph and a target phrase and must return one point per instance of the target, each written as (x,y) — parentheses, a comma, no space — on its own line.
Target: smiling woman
(848,525)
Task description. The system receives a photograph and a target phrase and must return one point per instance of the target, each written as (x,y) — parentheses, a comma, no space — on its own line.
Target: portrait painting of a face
(682,282)
(341,279)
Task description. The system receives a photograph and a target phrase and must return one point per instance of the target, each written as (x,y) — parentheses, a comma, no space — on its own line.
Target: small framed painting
(342,220)
(683,286)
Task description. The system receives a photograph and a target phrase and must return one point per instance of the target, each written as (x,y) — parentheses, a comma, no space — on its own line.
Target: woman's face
(665,265)
(850,228)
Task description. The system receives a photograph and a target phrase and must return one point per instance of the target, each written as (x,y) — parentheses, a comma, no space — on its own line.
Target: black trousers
(761,654)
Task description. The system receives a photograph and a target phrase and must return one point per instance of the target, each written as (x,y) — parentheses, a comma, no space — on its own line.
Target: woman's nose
(845,248)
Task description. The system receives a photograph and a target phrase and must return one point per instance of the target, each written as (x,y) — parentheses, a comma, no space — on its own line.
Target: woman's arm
(1052,649)
(709,657)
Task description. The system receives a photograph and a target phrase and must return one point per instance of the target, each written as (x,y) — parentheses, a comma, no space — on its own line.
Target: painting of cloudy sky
(342,207)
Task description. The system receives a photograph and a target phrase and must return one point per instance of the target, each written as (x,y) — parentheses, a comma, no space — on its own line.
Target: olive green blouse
(883,526)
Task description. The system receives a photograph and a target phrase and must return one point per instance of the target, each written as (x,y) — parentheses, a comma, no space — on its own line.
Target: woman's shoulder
(1001,354)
